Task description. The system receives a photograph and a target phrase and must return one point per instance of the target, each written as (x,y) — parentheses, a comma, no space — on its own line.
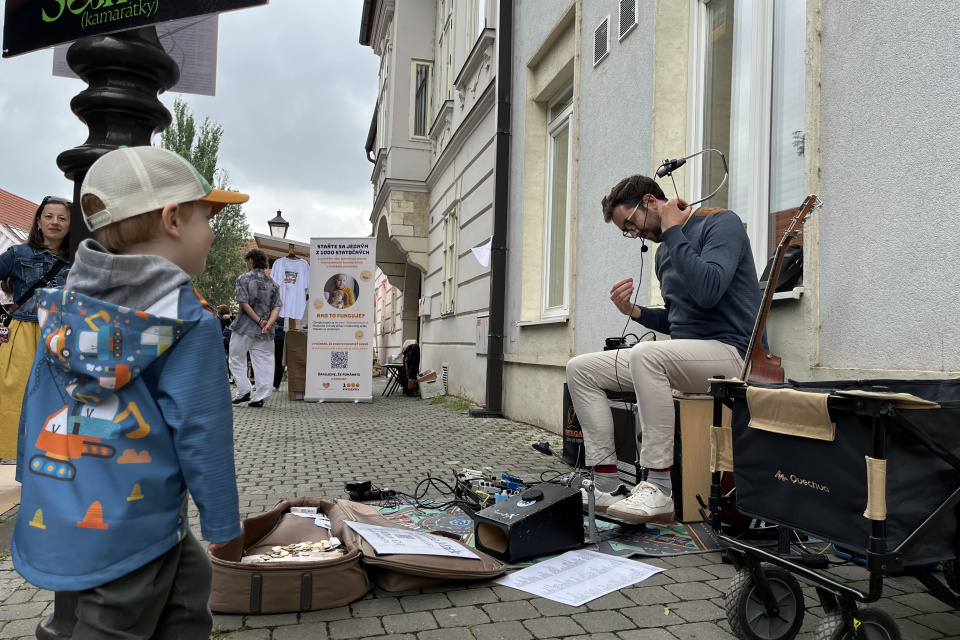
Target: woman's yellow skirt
(16,360)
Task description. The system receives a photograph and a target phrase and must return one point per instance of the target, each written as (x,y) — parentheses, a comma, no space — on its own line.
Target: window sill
(544,321)
(475,58)
(789,295)
(443,118)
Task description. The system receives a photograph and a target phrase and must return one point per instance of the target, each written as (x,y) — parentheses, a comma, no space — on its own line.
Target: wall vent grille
(601,41)
(628,16)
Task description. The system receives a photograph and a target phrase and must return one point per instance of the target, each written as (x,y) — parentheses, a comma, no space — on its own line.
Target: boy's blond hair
(120,236)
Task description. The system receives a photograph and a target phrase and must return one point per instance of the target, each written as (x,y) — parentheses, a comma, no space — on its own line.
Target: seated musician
(711,297)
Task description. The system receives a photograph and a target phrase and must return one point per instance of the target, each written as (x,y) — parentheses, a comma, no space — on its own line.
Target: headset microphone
(644,248)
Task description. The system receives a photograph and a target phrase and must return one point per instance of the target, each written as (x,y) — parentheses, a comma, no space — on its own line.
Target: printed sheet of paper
(386,540)
(577,577)
(482,253)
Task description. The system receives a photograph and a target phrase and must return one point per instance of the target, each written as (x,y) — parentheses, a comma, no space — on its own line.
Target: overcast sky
(295,95)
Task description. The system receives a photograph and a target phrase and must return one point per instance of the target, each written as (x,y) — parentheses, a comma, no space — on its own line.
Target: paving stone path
(295,449)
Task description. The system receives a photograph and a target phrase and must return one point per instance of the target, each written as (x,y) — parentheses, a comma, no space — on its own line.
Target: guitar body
(766,370)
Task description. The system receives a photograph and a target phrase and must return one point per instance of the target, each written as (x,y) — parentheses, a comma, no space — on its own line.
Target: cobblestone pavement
(297,449)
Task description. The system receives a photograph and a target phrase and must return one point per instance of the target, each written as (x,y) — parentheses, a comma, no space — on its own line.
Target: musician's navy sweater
(708,282)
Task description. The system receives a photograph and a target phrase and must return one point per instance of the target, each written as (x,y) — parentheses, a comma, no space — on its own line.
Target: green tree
(231,233)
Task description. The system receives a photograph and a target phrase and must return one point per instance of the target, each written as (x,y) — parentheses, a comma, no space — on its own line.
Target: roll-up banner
(340,329)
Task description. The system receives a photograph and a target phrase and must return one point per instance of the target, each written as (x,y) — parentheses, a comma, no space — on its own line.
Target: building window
(556,267)
(451,232)
(420,99)
(445,49)
(750,63)
(394,312)
(382,107)
(476,22)
(381,302)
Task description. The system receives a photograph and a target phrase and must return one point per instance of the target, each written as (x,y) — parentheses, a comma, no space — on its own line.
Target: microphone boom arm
(667,167)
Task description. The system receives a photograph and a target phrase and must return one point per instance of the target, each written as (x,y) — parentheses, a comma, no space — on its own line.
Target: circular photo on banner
(341,291)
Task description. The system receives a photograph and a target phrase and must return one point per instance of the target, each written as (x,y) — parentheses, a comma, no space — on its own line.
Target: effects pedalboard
(485,488)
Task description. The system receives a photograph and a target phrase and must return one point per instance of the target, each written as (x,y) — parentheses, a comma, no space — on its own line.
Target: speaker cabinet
(542,520)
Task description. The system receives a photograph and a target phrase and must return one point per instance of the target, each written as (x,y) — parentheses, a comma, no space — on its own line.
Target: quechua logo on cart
(781,476)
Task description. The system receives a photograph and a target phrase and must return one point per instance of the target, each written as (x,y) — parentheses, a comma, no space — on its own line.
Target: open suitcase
(284,587)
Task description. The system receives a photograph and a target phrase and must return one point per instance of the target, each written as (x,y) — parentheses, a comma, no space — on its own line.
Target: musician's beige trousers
(652,370)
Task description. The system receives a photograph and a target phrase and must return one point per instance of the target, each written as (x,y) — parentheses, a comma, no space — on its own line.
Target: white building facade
(802,98)
(432,144)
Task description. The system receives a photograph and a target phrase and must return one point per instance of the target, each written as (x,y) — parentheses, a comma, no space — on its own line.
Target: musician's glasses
(628,226)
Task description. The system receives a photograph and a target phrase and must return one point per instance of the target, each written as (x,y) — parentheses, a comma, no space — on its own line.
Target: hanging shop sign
(192,43)
(29,25)
(340,311)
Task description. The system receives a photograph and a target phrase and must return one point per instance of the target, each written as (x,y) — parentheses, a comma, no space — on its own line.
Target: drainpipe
(498,254)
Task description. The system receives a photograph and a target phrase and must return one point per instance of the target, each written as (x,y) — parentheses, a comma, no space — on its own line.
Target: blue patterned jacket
(125,411)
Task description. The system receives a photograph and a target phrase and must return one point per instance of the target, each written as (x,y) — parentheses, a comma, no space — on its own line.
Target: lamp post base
(59,624)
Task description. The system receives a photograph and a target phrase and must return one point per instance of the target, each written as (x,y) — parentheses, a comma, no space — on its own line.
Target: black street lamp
(124,72)
(278,226)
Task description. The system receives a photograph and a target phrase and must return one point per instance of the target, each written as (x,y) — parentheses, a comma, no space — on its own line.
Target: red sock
(605,468)
(660,470)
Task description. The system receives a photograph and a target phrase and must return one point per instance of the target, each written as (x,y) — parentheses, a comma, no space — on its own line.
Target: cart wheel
(877,625)
(951,571)
(748,617)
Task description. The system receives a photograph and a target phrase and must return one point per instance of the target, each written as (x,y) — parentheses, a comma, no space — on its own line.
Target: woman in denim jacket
(25,264)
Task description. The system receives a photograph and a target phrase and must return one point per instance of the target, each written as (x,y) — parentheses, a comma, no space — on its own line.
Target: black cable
(623,334)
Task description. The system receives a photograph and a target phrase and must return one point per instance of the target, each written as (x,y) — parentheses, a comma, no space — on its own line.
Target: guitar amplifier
(545,519)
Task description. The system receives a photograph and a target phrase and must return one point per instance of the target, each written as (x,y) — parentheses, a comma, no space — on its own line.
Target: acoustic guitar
(760,366)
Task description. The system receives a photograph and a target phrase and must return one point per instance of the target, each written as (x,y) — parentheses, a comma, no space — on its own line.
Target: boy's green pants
(164,599)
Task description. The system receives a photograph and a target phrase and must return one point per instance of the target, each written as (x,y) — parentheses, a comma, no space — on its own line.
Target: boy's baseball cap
(135,180)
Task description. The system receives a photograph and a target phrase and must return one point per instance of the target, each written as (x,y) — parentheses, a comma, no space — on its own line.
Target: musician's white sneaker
(647,503)
(603,501)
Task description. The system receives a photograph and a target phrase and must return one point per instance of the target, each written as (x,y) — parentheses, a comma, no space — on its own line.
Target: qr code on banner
(339,359)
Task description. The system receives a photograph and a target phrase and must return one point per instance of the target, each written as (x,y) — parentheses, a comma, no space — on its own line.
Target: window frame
(451,258)
(476,23)
(444,48)
(428,96)
(555,126)
(758,132)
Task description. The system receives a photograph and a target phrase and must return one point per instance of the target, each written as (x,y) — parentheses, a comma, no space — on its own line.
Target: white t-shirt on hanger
(293,277)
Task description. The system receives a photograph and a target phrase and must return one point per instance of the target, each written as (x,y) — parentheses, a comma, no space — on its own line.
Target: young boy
(128,408)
